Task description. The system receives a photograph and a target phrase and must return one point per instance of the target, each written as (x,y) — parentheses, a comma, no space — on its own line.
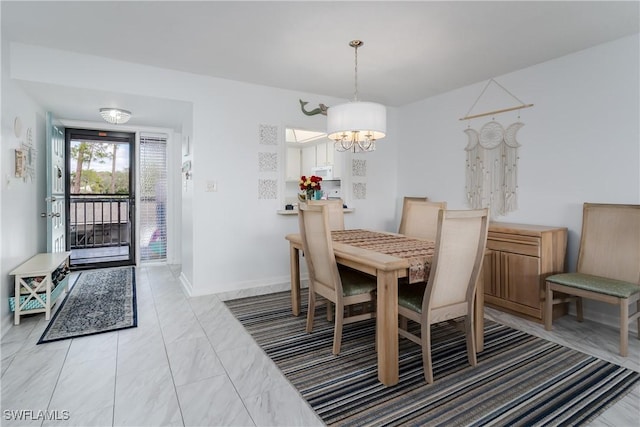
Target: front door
(101,198)
(55,201)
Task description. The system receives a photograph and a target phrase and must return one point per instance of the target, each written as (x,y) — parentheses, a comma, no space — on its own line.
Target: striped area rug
(519,380)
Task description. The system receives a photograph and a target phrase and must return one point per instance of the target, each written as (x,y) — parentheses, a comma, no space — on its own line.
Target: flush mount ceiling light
(356,125)
(115,116)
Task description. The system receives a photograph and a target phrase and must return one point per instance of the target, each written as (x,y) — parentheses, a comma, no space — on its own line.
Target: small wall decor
(322,109)
(20,163)
(267,189)
(186,169)
(268,134)
(359,167)
(359,175)
(17,127)
(268,162)
(359,190)
(30,154)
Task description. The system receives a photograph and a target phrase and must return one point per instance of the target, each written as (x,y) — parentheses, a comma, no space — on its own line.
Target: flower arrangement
(310,183)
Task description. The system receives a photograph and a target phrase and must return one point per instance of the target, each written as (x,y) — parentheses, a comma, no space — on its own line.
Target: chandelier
(115,116)
(356,125)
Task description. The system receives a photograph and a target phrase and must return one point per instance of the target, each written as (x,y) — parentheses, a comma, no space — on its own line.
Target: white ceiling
(412,50)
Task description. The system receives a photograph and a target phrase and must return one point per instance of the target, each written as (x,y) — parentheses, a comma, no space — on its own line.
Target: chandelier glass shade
(356,125)
(115,116)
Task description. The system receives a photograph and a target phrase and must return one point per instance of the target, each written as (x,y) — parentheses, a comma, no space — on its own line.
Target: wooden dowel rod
(519,107)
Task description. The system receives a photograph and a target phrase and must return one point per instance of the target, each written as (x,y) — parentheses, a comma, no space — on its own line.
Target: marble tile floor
(190,363)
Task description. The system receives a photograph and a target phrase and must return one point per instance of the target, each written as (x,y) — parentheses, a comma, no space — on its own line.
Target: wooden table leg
(387,327)
(294,254)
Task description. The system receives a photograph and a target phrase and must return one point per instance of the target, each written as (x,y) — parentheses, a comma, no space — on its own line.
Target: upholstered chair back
(609,242)
(420,219)
(318,249)
(336,212)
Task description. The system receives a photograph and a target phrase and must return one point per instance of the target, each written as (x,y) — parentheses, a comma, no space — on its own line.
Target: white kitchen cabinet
(321,154)
(293,164)
(308,160)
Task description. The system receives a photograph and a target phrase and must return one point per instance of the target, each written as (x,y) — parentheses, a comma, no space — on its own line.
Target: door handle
(50,215)
(51,199)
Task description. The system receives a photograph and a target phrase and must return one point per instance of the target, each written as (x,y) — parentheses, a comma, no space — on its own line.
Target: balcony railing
(99,221)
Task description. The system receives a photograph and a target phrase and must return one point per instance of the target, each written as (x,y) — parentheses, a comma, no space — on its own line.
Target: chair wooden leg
(425,330)
(638,313)
(311,310)
(337,331)
(403,323)
(548,306)
(579,315)
(624,326)
(329,311)
(471,339)
(375,334)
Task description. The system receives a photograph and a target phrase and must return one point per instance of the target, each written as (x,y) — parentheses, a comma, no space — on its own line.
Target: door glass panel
(100,226)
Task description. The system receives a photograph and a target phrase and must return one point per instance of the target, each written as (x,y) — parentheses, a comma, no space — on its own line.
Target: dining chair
(449,291)
(420,218)
(608,268)
(337,284)
(405,200)
(336,212)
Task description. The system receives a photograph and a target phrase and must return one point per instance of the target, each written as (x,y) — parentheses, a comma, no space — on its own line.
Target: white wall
(21,227)
(580,142)
(238,238)
(231,239)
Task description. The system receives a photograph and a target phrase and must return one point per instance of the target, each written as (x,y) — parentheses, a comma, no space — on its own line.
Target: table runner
(418,252)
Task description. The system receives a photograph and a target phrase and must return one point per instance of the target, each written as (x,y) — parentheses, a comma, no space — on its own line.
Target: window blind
(153,197)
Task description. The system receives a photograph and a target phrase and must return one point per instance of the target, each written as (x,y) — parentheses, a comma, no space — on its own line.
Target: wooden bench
(36,285)
(608,266)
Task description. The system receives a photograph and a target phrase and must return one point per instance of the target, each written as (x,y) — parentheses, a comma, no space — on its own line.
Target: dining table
(388,257)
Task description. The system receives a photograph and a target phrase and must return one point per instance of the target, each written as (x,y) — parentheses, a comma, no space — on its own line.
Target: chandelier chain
(355,94)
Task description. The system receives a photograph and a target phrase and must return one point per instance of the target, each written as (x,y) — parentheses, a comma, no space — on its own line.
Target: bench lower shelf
(34,304)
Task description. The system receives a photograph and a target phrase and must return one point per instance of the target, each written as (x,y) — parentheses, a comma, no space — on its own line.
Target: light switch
(212,186)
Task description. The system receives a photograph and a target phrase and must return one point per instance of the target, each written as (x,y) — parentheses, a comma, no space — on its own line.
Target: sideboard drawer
(530,246)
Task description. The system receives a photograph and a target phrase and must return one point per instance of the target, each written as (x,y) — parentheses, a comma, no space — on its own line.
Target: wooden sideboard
(518,259)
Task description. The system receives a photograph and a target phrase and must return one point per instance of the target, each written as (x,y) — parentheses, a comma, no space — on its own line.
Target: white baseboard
(186,284)
(277,282)
(249,292)
(281,286)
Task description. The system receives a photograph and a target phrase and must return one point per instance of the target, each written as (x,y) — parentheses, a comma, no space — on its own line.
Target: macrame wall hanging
(492,160)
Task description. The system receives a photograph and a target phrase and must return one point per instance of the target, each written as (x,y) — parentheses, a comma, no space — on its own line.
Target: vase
(310,195)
